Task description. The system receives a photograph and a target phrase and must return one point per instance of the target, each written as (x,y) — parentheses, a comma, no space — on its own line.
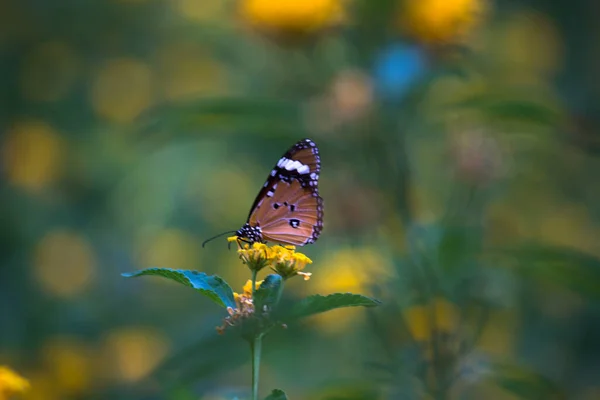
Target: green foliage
(262,116)
(269,292)
(84,184)
(526,383)
(212,286)
(318,304)
(564,267)
(513,108)
(276,394)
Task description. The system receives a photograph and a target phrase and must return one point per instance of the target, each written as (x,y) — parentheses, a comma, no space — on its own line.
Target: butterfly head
(250,233)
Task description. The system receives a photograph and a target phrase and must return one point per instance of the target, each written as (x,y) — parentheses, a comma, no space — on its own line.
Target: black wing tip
(306,143)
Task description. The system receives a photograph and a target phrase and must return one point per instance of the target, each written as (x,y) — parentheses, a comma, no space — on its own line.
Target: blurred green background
(459,143)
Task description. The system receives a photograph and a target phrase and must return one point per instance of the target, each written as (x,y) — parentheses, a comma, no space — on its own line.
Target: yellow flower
(11,382)
(282,259)
(287,263)
(255,256)
(248,287)
(297,17)
(441,20)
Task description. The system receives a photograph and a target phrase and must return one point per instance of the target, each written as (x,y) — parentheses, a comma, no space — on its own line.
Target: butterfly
(288,208)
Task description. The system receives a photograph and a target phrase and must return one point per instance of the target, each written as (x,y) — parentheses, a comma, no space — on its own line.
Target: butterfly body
(288,208)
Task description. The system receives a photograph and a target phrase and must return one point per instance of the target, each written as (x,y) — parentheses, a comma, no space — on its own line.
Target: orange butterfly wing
(293,215)
(288,209)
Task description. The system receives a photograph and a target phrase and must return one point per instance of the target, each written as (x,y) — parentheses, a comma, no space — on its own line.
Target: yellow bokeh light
(500,333)
(33,154)
(186,69)
(69,362)
(49,71)
(292,16)
(438,316)
(567,225)
(64,263)
(201,11)
(132,353)
(348,270)
(43,387)
(171,248)
(122,89)
(529,45)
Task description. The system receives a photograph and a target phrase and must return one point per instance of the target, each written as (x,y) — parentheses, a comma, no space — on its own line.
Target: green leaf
(276,395)
(525,382)
(565,267)
(223,113)
(514,106)
(212,286)
(318,304)
(269,292)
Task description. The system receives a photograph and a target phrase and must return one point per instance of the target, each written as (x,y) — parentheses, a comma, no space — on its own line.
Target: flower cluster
(244,307)
(284,260)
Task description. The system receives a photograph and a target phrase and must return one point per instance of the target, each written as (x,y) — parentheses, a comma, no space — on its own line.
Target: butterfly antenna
(217,236)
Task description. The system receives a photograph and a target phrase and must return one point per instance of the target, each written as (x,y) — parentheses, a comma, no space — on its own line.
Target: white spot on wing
(282,161)
(290,165)
(304,169)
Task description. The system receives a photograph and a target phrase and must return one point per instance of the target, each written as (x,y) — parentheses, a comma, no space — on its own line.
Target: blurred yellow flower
(439,316)
(528,47)
(352,270)
(348,270)
(499,336)
(43,386)
(69,362)
(434,21)
(186,69)
(122,89)
(132,353)
(32,154)
(171,247)
(292,17)
(64,263)
(11,382)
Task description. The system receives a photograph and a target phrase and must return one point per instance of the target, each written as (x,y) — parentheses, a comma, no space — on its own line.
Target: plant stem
(254,273)
(256,347)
